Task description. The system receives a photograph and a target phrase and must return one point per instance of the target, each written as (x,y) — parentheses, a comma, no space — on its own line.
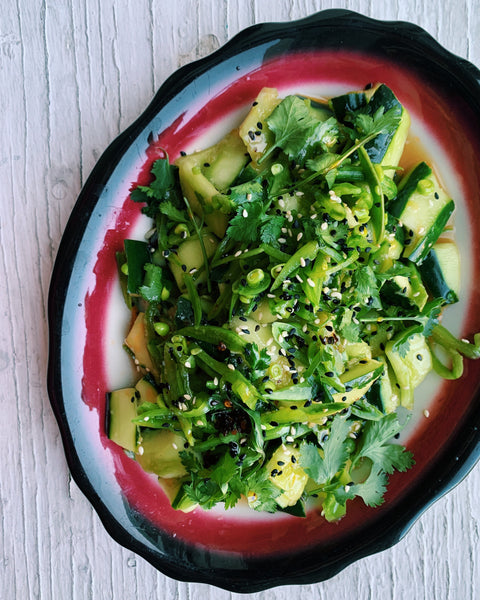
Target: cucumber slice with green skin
(224,162)
(412,368)
(120,411)
(384,392)
(440,271)
(205,174)
(148,391)
(423,208)
(159,452)
(358,380)
(258,139)
(348,103)
(387,147)
(408,292)
(189,255)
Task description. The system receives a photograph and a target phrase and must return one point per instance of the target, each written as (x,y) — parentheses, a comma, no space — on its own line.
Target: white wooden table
(73,74)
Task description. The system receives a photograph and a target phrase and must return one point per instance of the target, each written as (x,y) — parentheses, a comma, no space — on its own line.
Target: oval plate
(325,54)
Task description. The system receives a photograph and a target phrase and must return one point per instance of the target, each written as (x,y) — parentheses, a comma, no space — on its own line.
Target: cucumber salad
(285,303)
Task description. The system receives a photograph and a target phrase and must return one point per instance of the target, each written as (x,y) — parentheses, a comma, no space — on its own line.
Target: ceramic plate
(325,54)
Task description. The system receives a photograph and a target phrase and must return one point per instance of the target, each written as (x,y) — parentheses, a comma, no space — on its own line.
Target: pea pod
(214,335)
(246,391)
(377,211)
(307,251)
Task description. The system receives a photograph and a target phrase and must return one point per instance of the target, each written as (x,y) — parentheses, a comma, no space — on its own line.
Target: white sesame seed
(141,450)
(310,282)
(299,236)
(314,216)
(269,341)
(324,226)
(146,418)
(245,213)
(426,413)
(270,295)
(289,438)
(174,446)
(199,422)
(284,230)
(237,253)
(299,194)
(281,203)
(249,197)
(231,367)
(187,396)
(215,381)
(299,279)
(302,262)
(282,240)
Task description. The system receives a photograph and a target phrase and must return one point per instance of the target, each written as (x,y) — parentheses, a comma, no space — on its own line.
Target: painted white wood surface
(73,74)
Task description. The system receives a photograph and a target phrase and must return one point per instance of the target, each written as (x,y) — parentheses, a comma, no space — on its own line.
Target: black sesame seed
(244,319)
(293,459)
(184,268)
(419,357)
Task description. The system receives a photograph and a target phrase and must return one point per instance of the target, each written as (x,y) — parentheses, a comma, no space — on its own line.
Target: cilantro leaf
(291,122)
(375,445)
(257,360)
(174,214)
(153,284)
(246,193)
(378,122)
(245,224)
(335,453)
(261,492)
(372,489)
(223,471)
(272,230)
(164,187)
(366,287)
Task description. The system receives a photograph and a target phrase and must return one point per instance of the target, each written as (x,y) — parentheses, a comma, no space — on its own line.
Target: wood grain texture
(72,76)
